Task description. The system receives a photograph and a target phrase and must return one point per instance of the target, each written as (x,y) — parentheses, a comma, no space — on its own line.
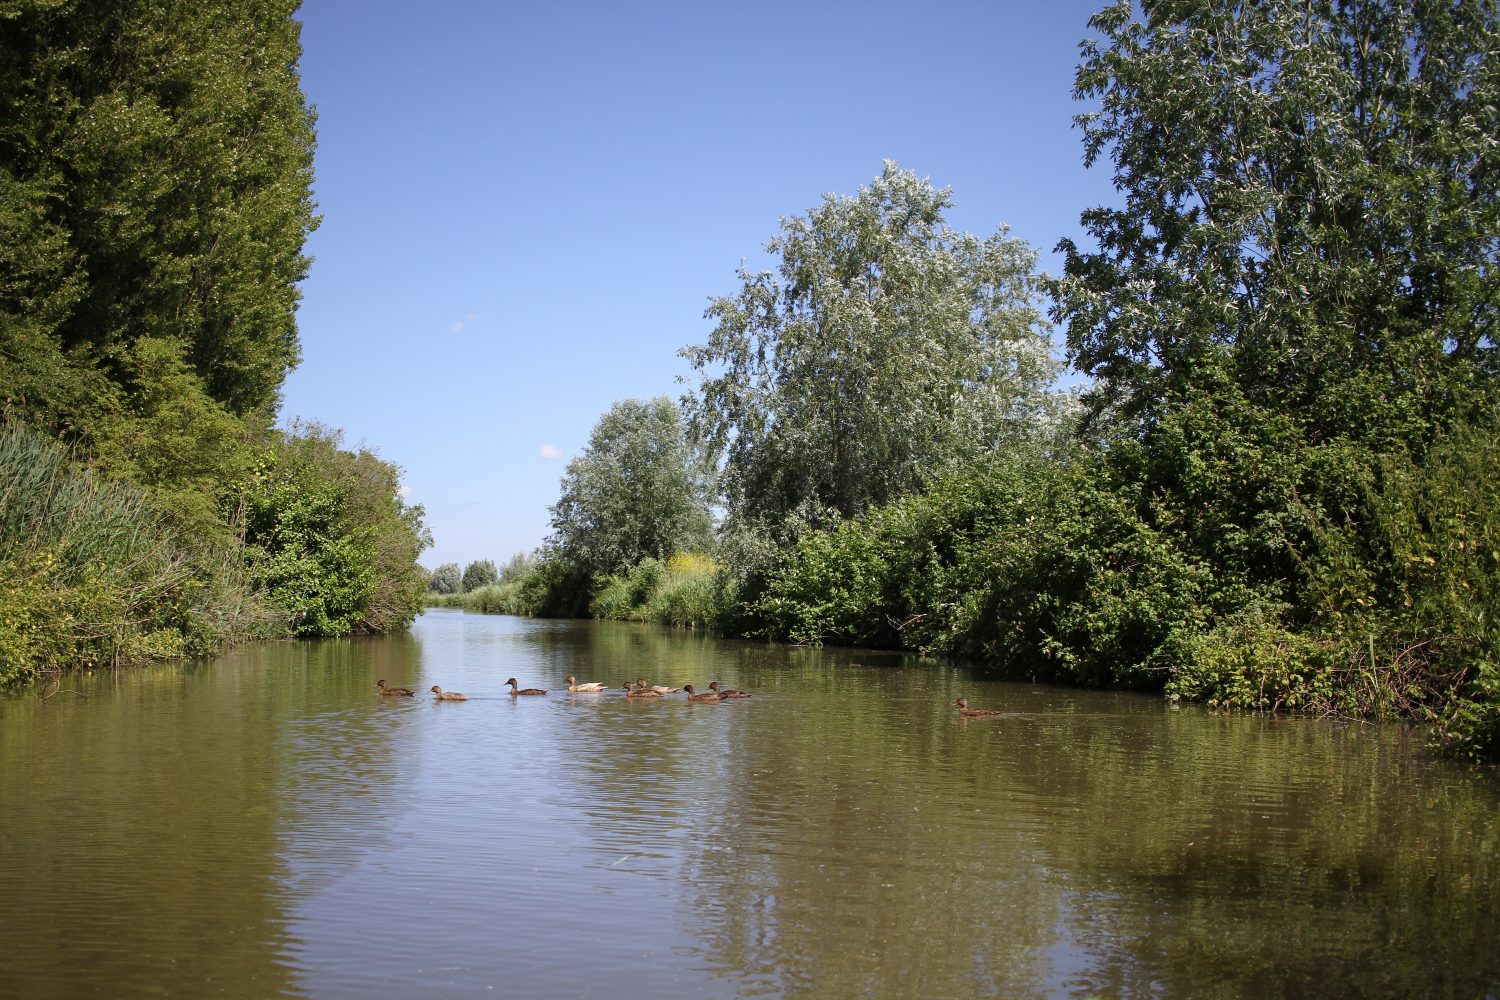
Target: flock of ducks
(715,692)
(640,689)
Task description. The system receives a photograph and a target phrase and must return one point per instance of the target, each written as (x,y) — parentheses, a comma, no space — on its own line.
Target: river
(265,825)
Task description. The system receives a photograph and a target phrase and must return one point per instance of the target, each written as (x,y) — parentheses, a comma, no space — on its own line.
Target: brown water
(265,825)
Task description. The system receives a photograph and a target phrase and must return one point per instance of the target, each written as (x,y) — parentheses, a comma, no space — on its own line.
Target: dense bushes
(89,573)
(329,538)
(685,591)
(94,571)
(1058,570)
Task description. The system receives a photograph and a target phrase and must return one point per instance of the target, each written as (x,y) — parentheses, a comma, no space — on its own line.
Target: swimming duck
(589,687)
(514,692)
(448,695)
(639,692)
(658,688)
(705,696)
(969,713)
(727,692)
(393,692)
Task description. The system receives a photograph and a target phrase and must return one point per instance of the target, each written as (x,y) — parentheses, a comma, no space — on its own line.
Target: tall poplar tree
(155,195)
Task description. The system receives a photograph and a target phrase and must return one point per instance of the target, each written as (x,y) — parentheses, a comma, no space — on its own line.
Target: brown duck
(705,696)
(724,693)
(588,687)
(514,692)
(640,692)
(393,692)
(448,695)
(658,688)
(972,713)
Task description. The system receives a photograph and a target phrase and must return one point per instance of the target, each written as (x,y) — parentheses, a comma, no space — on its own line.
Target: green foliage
(1309,213)
(690,590)
(171,437)
(1257,664)
(480,573)
(1408,580)
(556,589)
(638,491)
(155,182)
(1031,564)
(155,195)
(1291,327)
(90,574)
(886,349)
(330,539)
(446,579)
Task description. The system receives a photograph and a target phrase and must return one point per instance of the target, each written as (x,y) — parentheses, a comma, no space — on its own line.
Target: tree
(1309,218)
(1292,327)
(155,182)
(446,579)
(886,347)
(479,573)
(639,489)
(329,538)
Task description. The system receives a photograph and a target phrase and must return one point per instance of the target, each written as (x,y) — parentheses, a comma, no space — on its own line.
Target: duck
(589,687)
(970,713)
(724,693)
(514,692)
(638,692)
(393,692)
(448,695)
(658,688)
(705,696)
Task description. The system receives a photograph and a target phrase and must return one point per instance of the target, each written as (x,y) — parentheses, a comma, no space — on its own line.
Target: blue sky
(526,207)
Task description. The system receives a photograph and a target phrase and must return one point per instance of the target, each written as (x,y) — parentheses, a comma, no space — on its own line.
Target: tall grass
(90,573)
(686,591)
(507,598)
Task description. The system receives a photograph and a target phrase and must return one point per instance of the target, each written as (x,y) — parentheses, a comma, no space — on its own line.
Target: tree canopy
(155,185)
(1309,212)
(886,347)
(479,573)
(638,490)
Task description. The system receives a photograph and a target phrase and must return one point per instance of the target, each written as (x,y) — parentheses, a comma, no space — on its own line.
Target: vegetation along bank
(1277,490)
(155,175)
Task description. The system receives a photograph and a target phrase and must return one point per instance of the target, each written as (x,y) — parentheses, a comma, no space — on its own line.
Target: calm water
(265,825)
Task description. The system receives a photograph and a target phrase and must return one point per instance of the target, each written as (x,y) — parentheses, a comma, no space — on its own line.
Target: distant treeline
(155,196)
(1279,486)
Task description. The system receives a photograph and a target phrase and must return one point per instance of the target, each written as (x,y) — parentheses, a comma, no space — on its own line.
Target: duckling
(970,713)
(448,695)
(705,696)
(638,692)
(514,692)
(589,687)
(658,688)
(725,693)
(393,692)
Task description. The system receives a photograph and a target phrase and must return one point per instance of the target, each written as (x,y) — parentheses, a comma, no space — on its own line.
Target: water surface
(266,825)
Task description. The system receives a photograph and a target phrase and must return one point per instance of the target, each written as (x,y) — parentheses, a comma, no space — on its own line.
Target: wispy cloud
(551,451)
(403,491)
(457,326)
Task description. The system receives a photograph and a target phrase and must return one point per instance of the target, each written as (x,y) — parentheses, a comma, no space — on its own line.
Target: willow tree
(884,349)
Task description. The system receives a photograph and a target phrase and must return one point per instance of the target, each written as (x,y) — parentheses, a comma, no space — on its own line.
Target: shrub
(88,572)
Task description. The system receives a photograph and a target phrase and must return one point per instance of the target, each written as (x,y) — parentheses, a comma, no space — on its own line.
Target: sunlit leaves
(885,348)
